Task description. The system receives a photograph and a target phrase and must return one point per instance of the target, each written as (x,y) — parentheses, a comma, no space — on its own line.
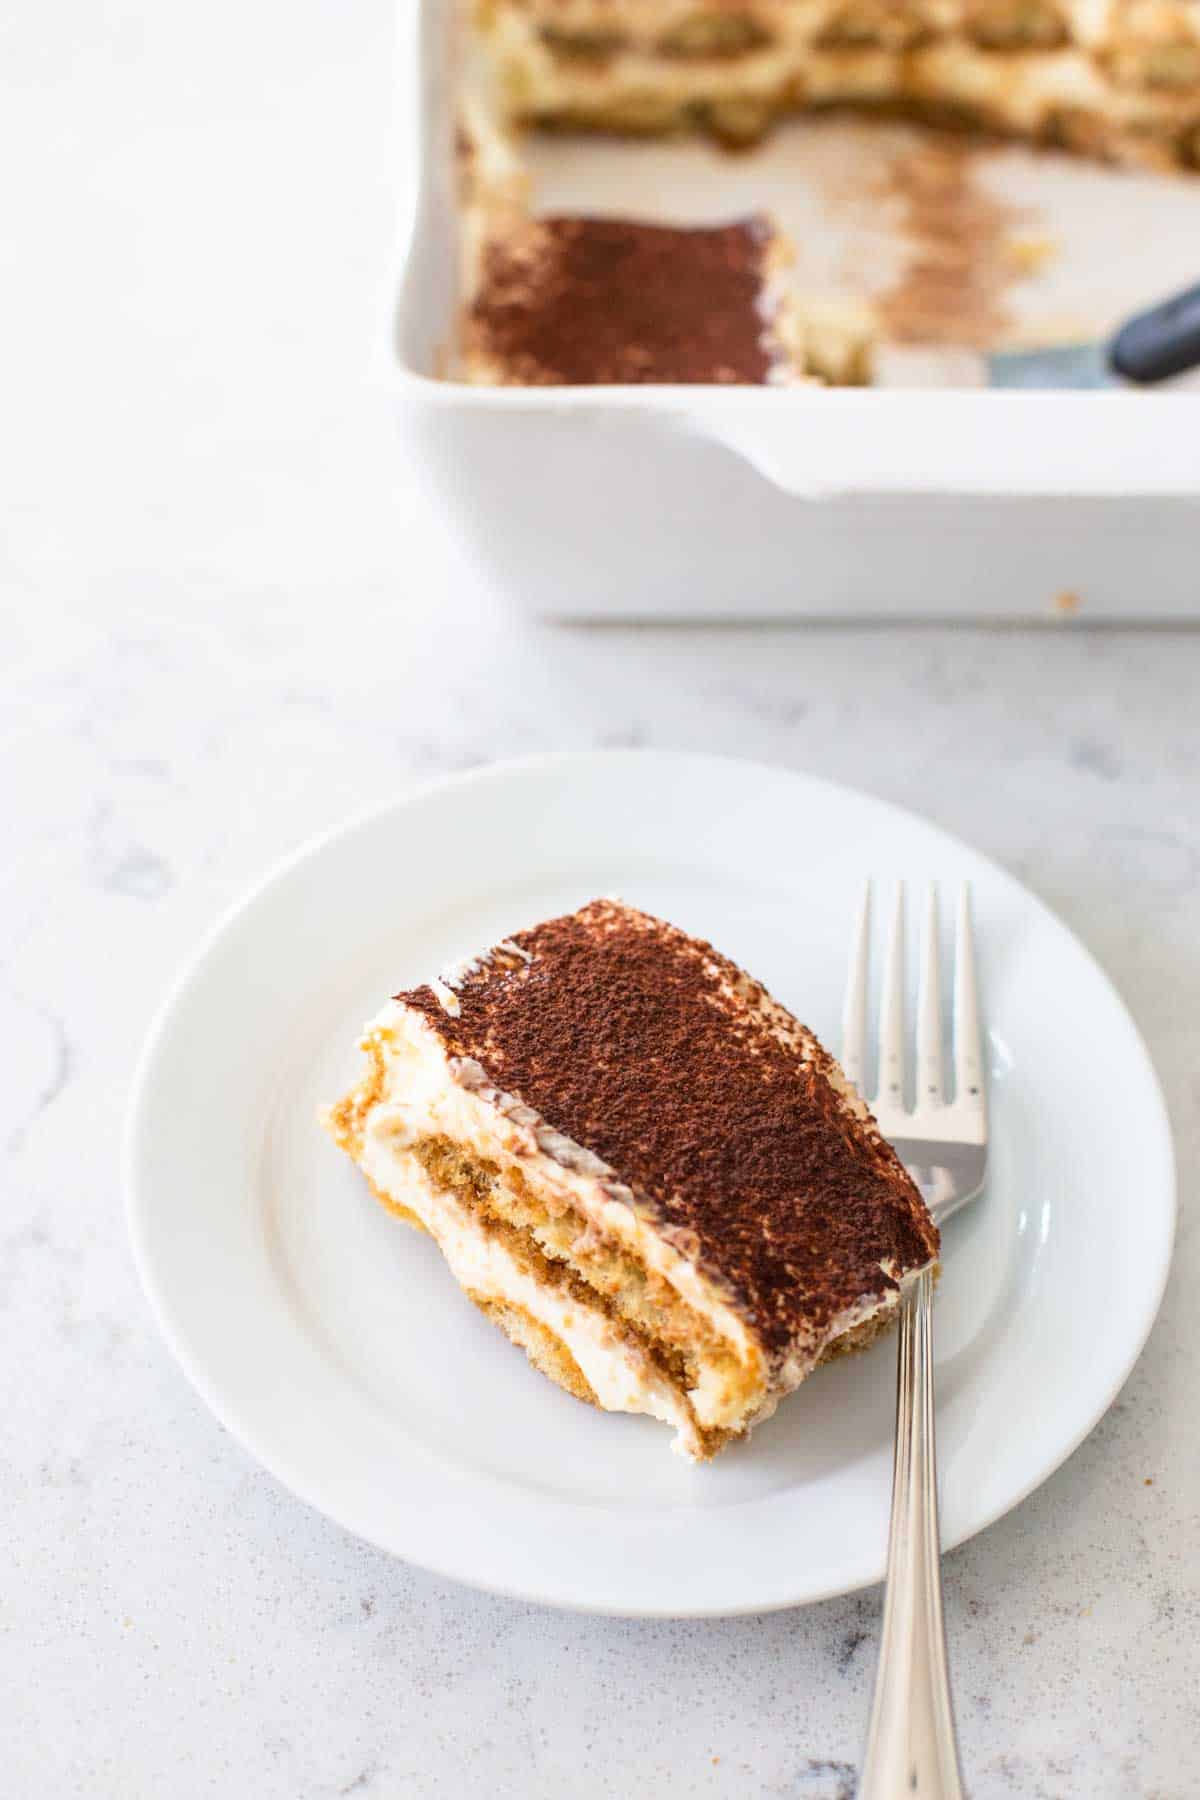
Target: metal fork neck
(911,1746)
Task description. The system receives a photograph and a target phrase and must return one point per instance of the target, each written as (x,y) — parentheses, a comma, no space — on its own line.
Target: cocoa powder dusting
(656,1053)
(588,300)
(961,267)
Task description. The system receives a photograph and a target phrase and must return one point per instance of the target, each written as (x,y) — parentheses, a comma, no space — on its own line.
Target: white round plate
(330,1339)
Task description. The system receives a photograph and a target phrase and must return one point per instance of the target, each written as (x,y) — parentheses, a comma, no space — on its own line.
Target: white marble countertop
(226,620)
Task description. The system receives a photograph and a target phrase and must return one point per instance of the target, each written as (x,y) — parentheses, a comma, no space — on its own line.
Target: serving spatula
(1150,347)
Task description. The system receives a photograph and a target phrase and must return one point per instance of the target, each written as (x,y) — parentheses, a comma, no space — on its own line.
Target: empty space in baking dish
(956,240)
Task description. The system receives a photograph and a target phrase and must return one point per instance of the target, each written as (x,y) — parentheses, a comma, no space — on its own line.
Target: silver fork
(911,1746)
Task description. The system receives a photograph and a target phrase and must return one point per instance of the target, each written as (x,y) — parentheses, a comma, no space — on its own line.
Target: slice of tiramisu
(584,301)
(642,1167)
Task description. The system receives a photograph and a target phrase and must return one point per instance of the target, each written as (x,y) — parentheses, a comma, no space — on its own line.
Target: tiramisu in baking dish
(580,300)
(586,300)
(1116,78)
(640,1166)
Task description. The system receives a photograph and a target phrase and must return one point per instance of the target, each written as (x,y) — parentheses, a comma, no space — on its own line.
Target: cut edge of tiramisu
(639,1165)
(1118,79)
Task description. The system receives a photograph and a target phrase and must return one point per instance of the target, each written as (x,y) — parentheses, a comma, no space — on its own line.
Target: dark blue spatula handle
(1164,341)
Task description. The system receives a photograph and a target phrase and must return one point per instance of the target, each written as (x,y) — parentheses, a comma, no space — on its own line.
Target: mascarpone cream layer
(622,1377)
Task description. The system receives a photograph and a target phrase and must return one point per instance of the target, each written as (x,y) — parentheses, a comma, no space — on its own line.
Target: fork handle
(911,1748)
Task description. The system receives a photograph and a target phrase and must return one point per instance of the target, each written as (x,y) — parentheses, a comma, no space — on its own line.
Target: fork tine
(854,1011)
(891,1015)
(929,1009)
(968,1052)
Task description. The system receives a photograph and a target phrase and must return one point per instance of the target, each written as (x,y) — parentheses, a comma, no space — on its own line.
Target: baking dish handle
(817,443)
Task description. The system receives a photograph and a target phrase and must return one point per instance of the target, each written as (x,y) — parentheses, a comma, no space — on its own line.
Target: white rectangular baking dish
(686,502)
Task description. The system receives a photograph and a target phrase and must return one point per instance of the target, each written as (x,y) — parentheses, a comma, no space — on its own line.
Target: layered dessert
(640,1166)
(1115,78)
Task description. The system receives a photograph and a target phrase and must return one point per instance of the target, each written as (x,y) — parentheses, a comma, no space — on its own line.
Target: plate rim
(500,770)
